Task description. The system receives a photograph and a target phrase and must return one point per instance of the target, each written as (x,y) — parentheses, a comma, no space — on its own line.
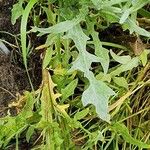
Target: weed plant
(84,101)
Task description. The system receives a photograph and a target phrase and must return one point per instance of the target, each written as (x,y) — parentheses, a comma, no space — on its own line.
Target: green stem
(110,44)
(58,47)
(23,35)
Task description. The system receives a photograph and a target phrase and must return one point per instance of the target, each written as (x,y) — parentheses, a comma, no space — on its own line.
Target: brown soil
(5,20)
(8,86)
(13,77)
(13,80)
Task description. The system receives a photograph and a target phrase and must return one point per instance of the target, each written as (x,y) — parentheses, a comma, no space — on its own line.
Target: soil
(13,77)
(8,86)
(115,34)
(13,80)
(5,20)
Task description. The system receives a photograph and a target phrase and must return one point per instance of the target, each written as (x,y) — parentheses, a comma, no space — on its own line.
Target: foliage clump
(89,86)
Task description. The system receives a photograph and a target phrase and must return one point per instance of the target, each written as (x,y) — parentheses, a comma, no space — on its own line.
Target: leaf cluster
(83,87)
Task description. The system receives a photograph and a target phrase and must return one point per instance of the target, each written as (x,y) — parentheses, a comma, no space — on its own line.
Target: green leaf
(122,129)
(51,38)
(51,17)
(98,94)
(144,13)
(114,2)
(11,126)
(110,16)
(94,138)
(137,4)
(29,133)
(60,27)
(79,37)
(15,125)
(121,81)
(103,56)
(143,57)
(101,52)
(83,62)
(24,21)
(69,89)
(81,114)
(131,25)
(124,16)
(16,12)
(97,3)
(120,59)
(84,59)
(103,77)
(47,57)
(125,67)
(27,110)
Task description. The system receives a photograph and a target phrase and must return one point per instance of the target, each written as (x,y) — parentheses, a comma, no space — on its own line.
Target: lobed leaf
(98,92)
(100,52)
(60,27)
